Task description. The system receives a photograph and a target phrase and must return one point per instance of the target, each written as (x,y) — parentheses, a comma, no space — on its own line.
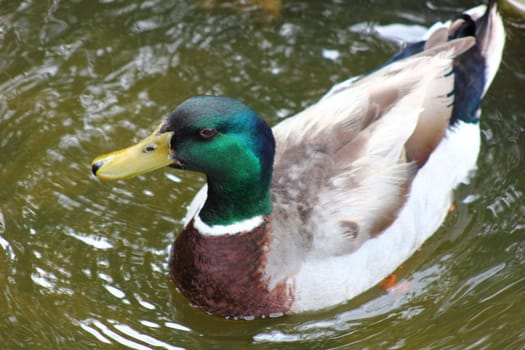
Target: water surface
(83,264)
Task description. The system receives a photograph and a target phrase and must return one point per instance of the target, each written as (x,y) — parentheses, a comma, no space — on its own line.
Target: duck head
(218,136)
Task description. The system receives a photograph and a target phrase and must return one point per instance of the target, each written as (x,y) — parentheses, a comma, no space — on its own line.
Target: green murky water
(83,264)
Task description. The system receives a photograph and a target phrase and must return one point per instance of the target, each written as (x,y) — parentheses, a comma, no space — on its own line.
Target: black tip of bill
(95,166)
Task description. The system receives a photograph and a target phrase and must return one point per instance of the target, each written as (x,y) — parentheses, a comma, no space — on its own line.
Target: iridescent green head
(218,136)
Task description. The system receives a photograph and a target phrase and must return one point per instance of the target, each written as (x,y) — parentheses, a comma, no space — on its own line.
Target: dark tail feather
(475,69)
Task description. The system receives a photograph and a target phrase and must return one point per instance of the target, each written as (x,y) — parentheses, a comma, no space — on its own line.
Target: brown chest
(224,275)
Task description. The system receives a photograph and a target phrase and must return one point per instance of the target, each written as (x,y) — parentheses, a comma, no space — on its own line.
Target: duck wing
(344,166)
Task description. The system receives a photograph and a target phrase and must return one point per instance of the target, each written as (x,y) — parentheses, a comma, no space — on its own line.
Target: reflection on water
(84,263)
(124,334)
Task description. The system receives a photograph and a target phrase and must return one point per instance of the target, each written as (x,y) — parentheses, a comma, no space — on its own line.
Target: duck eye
(208,133)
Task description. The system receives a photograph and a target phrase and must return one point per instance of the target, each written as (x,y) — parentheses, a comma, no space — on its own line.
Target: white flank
(221,230)
(325,282)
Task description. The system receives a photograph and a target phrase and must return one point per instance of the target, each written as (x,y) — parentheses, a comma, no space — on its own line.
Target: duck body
(359,180)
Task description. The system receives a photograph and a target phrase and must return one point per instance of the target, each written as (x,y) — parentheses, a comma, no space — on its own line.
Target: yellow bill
(149,154)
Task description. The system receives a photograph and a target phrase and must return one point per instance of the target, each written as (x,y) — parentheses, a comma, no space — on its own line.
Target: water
(83,264)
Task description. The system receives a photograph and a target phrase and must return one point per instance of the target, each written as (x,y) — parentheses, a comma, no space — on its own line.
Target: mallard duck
(322,207)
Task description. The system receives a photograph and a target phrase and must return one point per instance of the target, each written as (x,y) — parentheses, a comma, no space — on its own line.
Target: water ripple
(83,264)
(123,334)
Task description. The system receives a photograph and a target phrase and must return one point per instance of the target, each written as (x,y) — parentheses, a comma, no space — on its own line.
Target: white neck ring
(246,225)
